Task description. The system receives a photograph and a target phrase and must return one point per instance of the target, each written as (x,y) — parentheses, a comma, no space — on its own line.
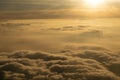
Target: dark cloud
(92,34)
(52,9)
(68,28)
(38,55)
(84,47)
(93,63)
(12,27)
(86,36)
(34,4)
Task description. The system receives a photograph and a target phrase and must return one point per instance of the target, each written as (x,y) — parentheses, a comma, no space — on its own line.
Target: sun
(94,3)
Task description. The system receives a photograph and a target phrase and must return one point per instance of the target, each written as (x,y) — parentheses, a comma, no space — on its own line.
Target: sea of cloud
(68,51)
(78,63)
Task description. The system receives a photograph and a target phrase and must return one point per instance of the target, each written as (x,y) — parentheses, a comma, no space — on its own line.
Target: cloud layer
(81,63)
(15,9)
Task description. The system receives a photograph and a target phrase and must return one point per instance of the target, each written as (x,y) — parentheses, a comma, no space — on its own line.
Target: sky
(59,9)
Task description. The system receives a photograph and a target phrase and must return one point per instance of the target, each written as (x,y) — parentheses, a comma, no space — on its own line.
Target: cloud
(106,57)
(55,9)
(38,55)
(86,36)
(86,63)
(92,34)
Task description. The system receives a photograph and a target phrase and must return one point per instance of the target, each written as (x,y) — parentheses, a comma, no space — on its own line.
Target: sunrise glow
(94,3)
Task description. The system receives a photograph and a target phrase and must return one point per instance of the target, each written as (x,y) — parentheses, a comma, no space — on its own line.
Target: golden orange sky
(60,9)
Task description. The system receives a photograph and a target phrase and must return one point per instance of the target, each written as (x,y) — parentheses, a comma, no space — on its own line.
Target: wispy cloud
(59,9)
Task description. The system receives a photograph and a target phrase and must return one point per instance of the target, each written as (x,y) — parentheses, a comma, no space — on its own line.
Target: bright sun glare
(94,3)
